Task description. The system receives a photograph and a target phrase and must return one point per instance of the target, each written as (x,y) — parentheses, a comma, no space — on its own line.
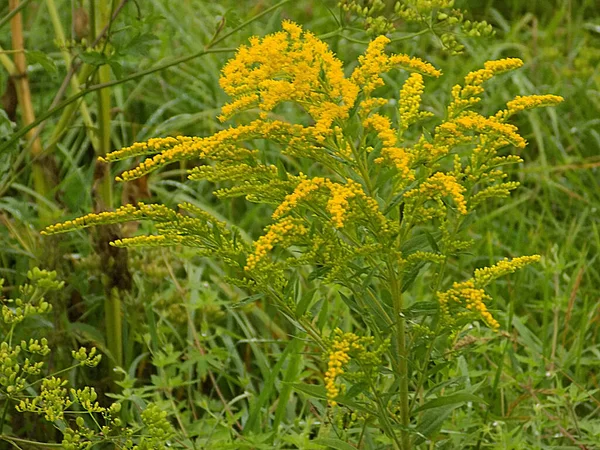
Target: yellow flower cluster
(337,206)
(390,150)
(290,65)
(224,145)
(465,96)
(473,298)
(153,240)
(241,103)
(454,131)
(485,275)
(302,191)
(441,185)
(523,102)
(154,145)
(375,61)
(125,213)
(431,151)
(471,292)
(410,101)
(342,345)
(277,233)
(368,105)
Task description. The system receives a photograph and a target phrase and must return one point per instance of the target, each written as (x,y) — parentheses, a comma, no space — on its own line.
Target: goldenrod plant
(385,197)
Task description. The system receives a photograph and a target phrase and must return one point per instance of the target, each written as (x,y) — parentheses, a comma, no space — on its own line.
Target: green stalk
(114,325)
(12,13)
(402,356)
(13,440)
(104,194)
(74,81)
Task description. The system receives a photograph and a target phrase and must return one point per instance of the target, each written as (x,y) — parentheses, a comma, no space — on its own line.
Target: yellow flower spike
(368,105)
(338,357)
(470,293)
(224,145)
(471,297)
(454,130)
(125,213)
(522,103)
(293,29)
(486,275)
(375,61)
(502,65)
(277,233)
(464,97)
(154,145)
(410,102)
(338,205)
(302,191)
(441,185)
(390,150)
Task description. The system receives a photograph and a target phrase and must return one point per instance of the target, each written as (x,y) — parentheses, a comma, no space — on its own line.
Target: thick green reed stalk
(100,15)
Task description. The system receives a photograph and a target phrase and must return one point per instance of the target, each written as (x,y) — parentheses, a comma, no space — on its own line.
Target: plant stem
(13,12)
(40,181)
(85,114)
(4,411)
(13,439)
(402,357)
(104,189)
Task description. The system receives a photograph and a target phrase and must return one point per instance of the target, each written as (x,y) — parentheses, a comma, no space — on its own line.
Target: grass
(231,372)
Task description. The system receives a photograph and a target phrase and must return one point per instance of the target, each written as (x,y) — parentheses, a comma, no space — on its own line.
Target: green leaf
(450,400)
(305,302)
(93,58)
(247,300)
(88,333)
(282,172)
(139,45)
(267,389)
(337,444)
(424,308)
(116,68)
(37,57)
(410,276)
(432,421)
(355,390)
(312,390)
(432,241)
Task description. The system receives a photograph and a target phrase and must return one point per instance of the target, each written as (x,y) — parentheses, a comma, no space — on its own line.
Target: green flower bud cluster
(15,366)
(52,401)
(438,15)
(45,279)
(10,369)
(373,14)
(55,401)
(87,397)
(158,427)
(87,359)
(14,373)
(78,440)
(31,300)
